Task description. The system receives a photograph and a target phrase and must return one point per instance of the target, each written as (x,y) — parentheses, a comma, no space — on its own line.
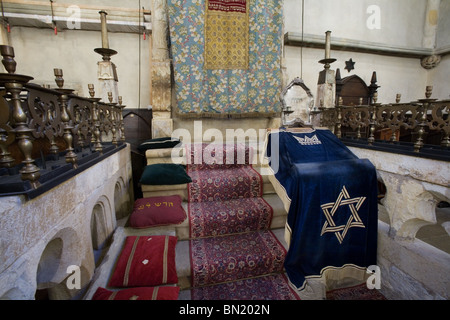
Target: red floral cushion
(146,261)
(157,211)
(139,293)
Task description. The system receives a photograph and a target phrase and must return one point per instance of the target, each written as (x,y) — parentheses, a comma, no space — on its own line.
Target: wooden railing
(35,120)
(412,122)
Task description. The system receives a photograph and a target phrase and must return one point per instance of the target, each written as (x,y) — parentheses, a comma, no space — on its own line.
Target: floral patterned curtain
(250,92)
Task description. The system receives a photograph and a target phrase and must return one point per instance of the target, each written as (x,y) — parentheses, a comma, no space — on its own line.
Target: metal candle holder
(105,51)
(13,84)
(327,61)
(71,156)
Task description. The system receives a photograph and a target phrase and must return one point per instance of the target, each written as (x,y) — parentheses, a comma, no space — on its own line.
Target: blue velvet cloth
(333,212)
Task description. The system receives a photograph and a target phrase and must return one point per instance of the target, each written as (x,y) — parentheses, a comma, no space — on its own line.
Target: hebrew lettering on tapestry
(226,57)
(226,34)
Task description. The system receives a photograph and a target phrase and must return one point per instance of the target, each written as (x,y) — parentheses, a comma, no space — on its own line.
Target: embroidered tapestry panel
(226,35)
(251,92)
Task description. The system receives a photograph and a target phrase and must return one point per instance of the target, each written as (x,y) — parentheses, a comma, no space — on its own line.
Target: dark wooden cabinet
(138,125)
(353,89)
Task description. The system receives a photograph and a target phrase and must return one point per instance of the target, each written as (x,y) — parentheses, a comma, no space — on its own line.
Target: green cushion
(165,174)
(158,143)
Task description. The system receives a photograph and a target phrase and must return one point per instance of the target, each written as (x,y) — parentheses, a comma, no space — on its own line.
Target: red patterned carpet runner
(359,292)
(215,218)
(229,221)
(234,257)
(220,183)
(225,192)
(271,287)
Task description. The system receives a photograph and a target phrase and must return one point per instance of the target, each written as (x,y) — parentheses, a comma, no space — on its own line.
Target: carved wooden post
(373,87)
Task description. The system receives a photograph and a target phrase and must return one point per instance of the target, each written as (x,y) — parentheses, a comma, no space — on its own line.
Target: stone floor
(436,234)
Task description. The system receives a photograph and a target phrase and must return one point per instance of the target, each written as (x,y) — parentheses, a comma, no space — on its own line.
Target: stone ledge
(411,270)
(342,44)
(53,172)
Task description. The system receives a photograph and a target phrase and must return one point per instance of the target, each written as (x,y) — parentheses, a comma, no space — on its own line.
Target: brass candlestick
(71,156)
(426,103)
(96,121)
(105,51)
(8,58)
(13,84)
(373,118)
(327,61)
(328,45)
(113,118)
(105,41)
(122,124)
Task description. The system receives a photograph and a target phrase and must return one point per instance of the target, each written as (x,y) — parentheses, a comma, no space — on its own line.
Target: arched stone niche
(101,227)
(62,251)
(121,199)
(99,217)
(49,263)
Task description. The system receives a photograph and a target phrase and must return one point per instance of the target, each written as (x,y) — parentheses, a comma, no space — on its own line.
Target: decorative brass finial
(428,91)
(59,77)
(91,90)
(8,58)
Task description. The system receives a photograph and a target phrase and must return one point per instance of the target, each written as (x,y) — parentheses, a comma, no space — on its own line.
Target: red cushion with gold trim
(138,293)
(146,261)
(157,211)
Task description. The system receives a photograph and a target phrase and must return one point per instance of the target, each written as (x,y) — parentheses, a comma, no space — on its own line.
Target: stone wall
(410,268)
(406,31)
(73,52)
(42,237)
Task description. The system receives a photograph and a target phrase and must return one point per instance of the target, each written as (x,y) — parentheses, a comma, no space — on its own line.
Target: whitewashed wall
(402,21)
(401,26)
(39,50)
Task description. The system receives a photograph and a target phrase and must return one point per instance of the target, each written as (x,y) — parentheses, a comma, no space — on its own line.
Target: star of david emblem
(350,65)
(329,209)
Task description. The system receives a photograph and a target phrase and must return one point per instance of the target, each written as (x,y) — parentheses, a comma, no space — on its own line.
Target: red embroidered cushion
(146,261)
(157,211)
(139,293)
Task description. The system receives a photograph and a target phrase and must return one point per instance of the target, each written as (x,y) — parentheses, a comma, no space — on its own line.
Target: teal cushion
(165,174)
